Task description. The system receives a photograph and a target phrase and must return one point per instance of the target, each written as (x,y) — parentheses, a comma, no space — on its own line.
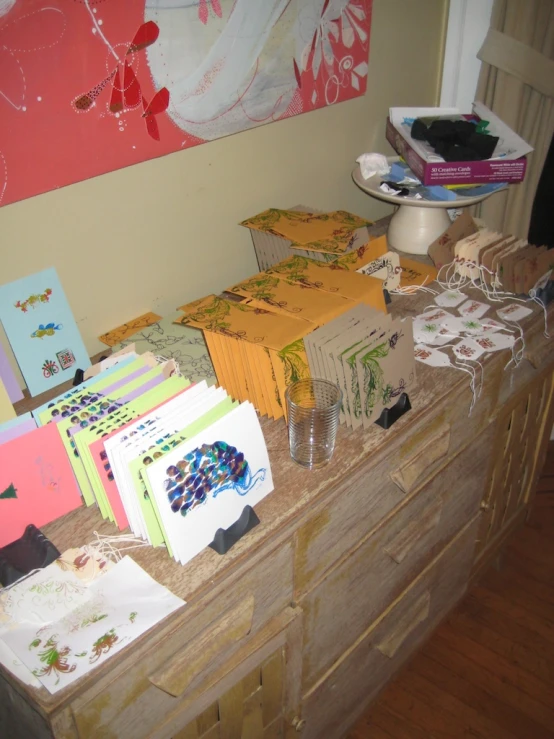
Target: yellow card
(267,291)
(325,276)
(240,321)
(416,273)
(116,335)
(289,365)
(369,252)
(6,408)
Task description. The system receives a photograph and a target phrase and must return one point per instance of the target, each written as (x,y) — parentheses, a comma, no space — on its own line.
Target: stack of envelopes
(369,355)
(256,345)
(154,451)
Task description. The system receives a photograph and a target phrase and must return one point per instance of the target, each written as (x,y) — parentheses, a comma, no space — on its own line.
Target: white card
(513,312)
(205,483)
(490,326)
(450,298)
(467,349)
(430,356)
(124,604)
(386,268)
(445,336)
(473,309)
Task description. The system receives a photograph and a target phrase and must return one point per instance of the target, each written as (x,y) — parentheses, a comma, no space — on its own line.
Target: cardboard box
(508,165)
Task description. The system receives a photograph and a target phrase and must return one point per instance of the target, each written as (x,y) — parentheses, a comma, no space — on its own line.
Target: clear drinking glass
(313,411)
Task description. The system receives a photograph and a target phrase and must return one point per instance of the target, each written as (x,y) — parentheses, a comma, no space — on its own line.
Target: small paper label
(468,350)
(450,298)
(495,342)
(473,308)
(433,357)
(513,312)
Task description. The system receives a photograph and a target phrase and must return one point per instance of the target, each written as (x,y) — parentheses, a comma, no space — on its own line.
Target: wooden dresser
(351,569)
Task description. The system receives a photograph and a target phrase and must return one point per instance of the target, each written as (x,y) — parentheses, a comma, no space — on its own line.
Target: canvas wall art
(94,85)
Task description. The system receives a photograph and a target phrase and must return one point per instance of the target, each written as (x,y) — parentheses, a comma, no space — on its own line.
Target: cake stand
(416,223)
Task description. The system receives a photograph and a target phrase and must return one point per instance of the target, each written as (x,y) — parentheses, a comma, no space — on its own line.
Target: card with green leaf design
(385,369)
(123,605)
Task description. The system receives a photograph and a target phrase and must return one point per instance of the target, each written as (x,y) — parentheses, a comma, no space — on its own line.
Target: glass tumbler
(313,413)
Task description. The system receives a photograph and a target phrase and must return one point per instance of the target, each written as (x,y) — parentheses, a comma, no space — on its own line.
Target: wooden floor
(488,672)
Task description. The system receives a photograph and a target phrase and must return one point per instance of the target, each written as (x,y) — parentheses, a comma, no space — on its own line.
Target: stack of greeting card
(173,460)
(256,343)
(369,356)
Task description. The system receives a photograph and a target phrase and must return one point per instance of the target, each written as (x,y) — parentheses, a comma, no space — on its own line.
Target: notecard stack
(173,460)
(256,344)
(369,356)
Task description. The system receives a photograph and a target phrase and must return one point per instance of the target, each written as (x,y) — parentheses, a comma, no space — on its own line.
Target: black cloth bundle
(455,141)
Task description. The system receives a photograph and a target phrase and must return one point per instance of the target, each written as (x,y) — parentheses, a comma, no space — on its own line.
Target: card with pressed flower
(48,594)
(123,605)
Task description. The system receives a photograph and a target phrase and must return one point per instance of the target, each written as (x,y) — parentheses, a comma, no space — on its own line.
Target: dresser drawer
(363,585)
(361,502)
(156,678)
(330,706)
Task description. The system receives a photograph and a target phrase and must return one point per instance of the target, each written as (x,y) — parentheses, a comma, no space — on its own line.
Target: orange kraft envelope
(116,335)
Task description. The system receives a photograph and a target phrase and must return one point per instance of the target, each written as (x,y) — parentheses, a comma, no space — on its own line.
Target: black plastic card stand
(391,415)
(387,296)
(546,294)
(224,539)
(32,551)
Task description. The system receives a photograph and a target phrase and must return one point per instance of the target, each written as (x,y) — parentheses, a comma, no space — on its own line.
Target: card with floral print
(123,605)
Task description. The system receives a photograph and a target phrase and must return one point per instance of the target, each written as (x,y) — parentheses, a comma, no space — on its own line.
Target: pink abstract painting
(89,86)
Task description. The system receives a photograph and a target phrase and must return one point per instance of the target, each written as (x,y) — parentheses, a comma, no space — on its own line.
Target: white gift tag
(490,326)
(425,331)
(445,336)
(473,308)
(450,298)
(386,268)
(513,312)
(433,315)
(454,324)
(495,342)
(430,356)
(468,349)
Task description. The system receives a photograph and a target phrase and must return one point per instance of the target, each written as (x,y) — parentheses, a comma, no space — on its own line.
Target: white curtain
(517,83)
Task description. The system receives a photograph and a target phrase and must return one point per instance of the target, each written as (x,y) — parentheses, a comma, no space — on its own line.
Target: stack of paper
(256,352)
(369,356)
(152,450)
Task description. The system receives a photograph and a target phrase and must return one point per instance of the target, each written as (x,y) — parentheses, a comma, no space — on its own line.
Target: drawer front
(335,702)
(168,665)
(354,508)
(363,585)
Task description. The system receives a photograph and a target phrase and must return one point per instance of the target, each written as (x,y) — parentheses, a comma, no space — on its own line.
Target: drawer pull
(399,548)
(408,474)
(405,625)
(189,662)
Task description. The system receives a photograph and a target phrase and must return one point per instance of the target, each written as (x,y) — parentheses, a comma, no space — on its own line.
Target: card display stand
(30,552)
(224,539)
(391,415)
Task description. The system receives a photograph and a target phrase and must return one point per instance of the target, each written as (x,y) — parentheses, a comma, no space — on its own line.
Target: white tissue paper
(372,164)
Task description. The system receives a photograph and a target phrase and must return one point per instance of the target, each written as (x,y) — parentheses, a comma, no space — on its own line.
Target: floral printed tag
(468,349)
(450,298)
(473,309)
(495,342)
(513,312)
(433,357)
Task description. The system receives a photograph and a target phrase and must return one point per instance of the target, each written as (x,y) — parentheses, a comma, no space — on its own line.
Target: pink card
(37,484)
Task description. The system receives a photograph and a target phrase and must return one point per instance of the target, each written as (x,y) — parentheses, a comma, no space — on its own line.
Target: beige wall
(158,234)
